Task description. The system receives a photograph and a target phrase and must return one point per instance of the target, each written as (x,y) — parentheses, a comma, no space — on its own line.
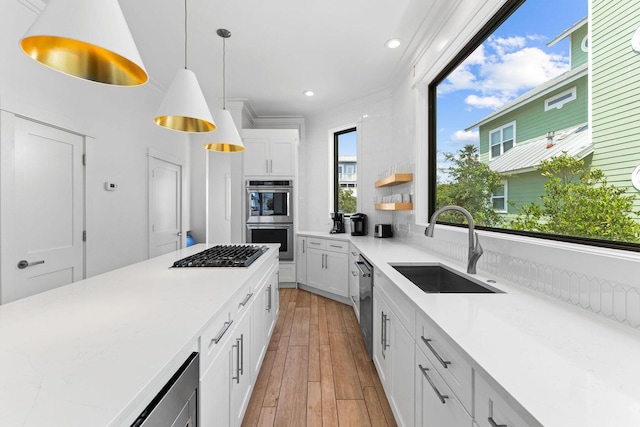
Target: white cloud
(484,101)
(466,137)
(503,68)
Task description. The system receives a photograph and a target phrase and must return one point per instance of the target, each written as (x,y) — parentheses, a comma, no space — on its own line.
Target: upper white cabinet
(270,152)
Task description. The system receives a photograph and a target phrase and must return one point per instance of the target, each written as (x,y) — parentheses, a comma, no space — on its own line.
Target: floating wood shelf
(395,179)
(394,206)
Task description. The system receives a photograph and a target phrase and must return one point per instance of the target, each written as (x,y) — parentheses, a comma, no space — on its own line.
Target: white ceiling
(279,48)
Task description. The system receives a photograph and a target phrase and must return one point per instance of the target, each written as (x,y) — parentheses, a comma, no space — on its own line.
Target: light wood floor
(316,371)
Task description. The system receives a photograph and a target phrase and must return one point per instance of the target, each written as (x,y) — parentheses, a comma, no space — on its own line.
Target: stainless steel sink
(434,278)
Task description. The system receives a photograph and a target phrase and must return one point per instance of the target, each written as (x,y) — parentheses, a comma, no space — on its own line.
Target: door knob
(23,263)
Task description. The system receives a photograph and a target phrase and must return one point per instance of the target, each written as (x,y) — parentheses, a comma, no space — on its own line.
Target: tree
(347,201)
(470,186)
(579,202)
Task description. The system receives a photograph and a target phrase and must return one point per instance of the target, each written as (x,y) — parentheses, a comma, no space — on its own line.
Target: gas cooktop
(223,256)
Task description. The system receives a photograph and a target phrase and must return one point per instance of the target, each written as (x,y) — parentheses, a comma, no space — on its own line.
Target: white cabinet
(232,348)
(436,404)
(328,265)
(226,385)
(354,280)
(493,410)
(301,260)
(265,310)
(393,355)
(270,152)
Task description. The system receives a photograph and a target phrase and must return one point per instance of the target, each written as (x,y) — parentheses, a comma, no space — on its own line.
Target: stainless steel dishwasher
(176,404)
(366,302)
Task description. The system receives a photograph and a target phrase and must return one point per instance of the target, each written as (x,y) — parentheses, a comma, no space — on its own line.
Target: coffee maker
(358,224)
(338,222)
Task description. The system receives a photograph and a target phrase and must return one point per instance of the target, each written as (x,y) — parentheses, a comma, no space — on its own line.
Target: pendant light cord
(224,74)
(185,34)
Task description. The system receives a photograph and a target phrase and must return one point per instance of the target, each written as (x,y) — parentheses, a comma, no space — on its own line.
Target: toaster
(383,230)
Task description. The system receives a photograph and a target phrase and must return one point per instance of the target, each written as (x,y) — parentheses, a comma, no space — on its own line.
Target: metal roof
(525,156)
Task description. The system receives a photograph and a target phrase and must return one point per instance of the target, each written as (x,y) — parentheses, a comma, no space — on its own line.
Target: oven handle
(362,272)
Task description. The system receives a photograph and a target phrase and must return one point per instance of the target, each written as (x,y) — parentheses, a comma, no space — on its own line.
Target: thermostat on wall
(110,186)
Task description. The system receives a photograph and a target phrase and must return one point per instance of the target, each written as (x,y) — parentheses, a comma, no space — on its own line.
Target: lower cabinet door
(337,270)
(215,388)
(436,405)
(241,378)
(402,346)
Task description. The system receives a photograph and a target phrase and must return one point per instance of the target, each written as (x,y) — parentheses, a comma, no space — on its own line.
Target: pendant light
(86,39)
(184,107)
(226,139)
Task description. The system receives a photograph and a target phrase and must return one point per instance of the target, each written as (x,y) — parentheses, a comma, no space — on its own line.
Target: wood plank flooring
(316,371)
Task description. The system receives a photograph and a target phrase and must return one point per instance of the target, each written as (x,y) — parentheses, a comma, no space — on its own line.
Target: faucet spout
(475,250)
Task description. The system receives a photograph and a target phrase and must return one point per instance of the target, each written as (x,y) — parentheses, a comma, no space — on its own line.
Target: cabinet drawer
(449,363)
(337,246)
(316,243)
(242,300)
(213,338)
(397,300)
(436,404)
(492,407)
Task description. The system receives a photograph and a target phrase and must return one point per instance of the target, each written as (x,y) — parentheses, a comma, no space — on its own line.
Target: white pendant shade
(88,39)
(226,139)
(184,107)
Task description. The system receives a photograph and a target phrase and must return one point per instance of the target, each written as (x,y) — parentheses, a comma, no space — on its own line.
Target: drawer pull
(441,396)
(433,350)
(336,246)
(222,332)
(269,303)
(246,300)
(495,424)
(315,243)
(354,253)
(353,273)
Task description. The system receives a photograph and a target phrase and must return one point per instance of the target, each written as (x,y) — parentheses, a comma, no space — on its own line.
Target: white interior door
(42,207)
(165,207)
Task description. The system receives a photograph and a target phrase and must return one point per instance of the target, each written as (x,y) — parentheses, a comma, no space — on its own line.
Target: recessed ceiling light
(308,93)
(393,43)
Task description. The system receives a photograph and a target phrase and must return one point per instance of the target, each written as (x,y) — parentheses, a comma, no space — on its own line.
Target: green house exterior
(558,106)
(616,91)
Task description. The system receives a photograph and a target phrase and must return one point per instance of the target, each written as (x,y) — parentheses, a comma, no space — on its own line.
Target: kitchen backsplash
(565,274)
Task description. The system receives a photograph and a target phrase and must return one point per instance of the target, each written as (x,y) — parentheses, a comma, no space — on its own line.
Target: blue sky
(512,61)
(347,144)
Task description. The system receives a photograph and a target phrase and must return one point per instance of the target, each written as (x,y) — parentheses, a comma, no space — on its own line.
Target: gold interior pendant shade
(86,39)
(226,139)
(184,107)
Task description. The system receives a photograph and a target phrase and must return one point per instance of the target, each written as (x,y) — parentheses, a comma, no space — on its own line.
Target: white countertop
(566,366)
(95,352)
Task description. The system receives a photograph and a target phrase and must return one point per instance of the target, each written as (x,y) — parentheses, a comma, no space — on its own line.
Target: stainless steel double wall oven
(269,210)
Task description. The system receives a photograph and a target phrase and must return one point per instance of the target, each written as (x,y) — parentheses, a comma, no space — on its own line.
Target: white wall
(120,129)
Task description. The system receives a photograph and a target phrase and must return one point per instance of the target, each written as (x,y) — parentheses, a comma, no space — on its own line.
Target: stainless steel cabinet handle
(383,333)
(267,161)
(223,331)
(23,263)
(336,246)
(354,253)
(241,354)
(353,273)
(435,353)
(354,299)
(495,424)
(326,261)
(304,241)
(179,233)
(441,396)
(269,305)
(271,166)
(246,300)
(237,346)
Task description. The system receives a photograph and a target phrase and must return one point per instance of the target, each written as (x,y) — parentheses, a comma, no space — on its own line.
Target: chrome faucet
(475,250)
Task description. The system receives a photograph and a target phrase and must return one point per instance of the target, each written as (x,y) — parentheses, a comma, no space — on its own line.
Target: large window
(529,68)
(345,171)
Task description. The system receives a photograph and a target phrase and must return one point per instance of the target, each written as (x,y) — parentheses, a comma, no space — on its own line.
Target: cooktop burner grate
(223,256)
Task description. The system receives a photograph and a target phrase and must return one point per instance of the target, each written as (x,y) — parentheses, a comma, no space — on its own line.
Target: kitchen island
(96,352)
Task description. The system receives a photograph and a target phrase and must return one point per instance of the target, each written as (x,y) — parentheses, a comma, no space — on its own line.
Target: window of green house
(569,176)
(502,140)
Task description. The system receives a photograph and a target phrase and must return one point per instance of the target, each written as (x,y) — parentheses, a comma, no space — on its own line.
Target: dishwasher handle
(359,265)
